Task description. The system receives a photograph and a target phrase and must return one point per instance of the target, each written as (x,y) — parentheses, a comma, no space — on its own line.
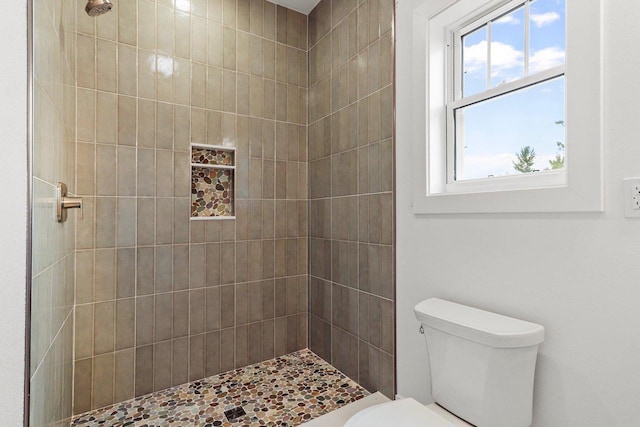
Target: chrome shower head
(98,7)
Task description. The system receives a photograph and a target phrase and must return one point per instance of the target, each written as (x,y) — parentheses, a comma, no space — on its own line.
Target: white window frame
(576,188)
(455,68)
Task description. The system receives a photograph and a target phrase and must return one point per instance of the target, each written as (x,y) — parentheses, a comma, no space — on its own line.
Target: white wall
(13,209)
(576,274)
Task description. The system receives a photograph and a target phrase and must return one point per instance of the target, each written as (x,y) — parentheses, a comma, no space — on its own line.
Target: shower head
(98,7)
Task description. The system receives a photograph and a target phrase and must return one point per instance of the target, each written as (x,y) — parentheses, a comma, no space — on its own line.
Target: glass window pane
(474,60)
(507,47)
(494,134)
(547,34)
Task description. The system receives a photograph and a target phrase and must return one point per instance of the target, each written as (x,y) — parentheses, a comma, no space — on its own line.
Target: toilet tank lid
(484,327)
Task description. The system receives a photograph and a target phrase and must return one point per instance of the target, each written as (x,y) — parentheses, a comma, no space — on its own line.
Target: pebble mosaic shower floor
(286,391)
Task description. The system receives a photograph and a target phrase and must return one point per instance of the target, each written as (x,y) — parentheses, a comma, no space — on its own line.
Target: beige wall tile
(257,17)
(198,82)
(146,172)
(227,347)
(181,81)
(107,117)
(86,61)
(180,314)
(105,170)
(281,24)
(86,169)
(294,23)
(180,77)
(164,77)
(214,10)
(107,72)
(85,226)
(162,365)
(164,234)
(229,13)
(256,55)
(83,379)
(198,36)
(105,275)
(164,173)
(86,24)
(182,35)
(124,375)
(242,344)
(197,259)
(126,222)
(180,363)
(144,321)
(147,63)
(243,15)
(127,23)
(229,91)
(84,331)
(357,104)
(108,28)
(229,47)
(163,324)
(144,370)
(212,309)
(182,128)
(125,324)
(126,275)
(104,327)
(165,29)
(105,214)
(216,47)
(269,20)
(127,126)
(86,129)
(214,88)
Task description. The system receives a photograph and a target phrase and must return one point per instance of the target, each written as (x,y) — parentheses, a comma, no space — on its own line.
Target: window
(506,111)
(505,100)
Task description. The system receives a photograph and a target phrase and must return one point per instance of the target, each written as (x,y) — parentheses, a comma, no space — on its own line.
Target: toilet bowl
(405,413)
(482,368)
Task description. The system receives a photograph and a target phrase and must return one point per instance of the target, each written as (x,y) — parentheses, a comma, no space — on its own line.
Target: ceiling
(304,6)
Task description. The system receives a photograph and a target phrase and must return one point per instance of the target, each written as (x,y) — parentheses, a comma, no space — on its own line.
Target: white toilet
(482,367)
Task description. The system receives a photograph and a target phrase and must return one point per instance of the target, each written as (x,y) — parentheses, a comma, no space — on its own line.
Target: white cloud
(507,19)
(546,58)
(542,19)
(503,58)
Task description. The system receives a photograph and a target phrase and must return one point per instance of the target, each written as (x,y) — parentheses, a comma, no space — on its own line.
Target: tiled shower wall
(51,374)
(162,300)
(351,294)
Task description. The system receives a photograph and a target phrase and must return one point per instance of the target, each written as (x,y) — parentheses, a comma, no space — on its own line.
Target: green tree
(525,159)
(558,162)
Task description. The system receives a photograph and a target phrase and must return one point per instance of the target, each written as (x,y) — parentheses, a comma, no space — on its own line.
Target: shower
(192,255)
(98,7)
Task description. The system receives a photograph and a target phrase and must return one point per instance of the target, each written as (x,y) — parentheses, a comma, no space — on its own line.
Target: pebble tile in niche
(286,391)
(211,157)
(211,192)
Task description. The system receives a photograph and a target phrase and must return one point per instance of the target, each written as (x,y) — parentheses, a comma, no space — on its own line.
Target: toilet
(482,369)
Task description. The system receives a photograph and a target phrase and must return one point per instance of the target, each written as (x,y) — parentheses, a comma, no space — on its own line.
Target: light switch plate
(632,197)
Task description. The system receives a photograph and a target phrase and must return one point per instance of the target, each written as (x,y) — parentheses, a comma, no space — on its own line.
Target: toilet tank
(482,364)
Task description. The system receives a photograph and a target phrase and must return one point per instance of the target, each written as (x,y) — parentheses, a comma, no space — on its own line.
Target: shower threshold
(286,391)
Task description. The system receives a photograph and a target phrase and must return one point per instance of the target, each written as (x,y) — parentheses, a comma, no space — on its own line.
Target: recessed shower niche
(212,182)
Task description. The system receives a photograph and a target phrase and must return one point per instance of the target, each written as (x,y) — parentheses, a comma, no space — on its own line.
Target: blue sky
(495,130)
